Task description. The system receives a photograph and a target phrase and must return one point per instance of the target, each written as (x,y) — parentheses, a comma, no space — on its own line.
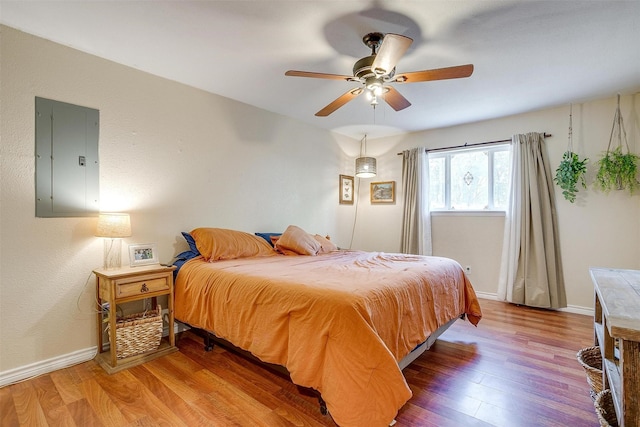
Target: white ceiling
(528,55)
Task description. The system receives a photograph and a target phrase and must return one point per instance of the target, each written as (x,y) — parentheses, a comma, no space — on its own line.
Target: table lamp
(113,226)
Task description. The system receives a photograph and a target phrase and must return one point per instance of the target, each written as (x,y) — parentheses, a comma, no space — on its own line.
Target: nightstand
(132,284)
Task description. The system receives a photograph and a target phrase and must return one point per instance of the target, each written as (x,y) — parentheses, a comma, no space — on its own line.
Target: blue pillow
(267,236)
(191,242)
(185,256)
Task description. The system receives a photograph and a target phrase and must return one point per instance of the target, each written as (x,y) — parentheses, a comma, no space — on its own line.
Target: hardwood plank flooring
(517,368)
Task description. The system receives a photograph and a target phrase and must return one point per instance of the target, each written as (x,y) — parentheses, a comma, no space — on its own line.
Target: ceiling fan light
(375,88)
(366,167)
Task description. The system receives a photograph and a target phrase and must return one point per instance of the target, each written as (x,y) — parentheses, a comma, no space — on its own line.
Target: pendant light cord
(363,143)
(355,214)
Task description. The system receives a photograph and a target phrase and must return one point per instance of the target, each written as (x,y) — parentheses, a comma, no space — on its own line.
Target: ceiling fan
(377,70)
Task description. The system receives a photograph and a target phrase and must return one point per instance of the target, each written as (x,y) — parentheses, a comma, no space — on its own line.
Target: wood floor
(518,368)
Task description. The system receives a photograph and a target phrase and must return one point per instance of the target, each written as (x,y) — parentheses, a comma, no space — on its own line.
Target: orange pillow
(326,245)
(274,239)
(218,243)
(296,240)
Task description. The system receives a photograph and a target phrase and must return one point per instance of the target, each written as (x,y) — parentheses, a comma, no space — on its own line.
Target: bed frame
(416,352)
(210,339)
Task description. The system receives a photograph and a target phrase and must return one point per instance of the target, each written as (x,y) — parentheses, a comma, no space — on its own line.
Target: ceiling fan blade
(295,73)
(435,74)
(339,102)
(391,50)
(395,99)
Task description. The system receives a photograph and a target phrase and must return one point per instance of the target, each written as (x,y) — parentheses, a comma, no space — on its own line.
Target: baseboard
(586,311)
(177,326)
(579,310)
(486,295)
(45,366)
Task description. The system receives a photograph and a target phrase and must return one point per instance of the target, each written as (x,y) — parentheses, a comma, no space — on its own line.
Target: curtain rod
(466,144)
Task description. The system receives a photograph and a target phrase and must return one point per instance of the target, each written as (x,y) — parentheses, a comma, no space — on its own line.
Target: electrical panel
(67,167)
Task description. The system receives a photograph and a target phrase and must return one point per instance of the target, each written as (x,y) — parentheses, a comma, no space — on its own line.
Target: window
(470,179)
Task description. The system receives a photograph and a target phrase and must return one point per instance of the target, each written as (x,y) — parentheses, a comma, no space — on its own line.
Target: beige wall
(177,158)
(598,230)
(173,156)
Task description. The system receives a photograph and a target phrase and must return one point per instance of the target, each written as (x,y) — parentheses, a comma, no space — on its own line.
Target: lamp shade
(365,167)
(113,225)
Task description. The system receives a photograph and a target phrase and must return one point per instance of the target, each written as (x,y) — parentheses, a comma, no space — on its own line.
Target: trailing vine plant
(571,170)
(618,170)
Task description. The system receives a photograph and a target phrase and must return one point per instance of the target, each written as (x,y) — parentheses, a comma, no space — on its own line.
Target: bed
(341,322)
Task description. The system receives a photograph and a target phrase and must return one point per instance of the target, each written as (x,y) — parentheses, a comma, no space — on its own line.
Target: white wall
(598,230)
(172,156)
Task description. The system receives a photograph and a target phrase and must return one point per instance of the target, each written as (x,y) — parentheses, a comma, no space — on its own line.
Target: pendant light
(365,166)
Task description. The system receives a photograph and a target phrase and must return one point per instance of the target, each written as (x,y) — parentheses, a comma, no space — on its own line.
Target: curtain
(531,269)
(416,219)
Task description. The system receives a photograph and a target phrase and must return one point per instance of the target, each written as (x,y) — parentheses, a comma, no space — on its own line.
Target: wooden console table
(617,332)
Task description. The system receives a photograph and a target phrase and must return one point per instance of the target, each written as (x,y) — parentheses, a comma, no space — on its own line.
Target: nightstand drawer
(140,287)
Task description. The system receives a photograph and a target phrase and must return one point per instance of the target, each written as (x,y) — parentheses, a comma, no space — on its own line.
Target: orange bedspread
(339,322)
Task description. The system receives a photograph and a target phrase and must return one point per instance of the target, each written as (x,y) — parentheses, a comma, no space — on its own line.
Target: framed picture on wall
(346,190)
(383,192)
(143,254)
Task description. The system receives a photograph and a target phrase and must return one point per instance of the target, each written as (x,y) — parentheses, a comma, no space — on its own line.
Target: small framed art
(346,190)
(383,192)
(143,254)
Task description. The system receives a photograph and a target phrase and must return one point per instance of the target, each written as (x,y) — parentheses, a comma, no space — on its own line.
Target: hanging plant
(618,170)
(571,170)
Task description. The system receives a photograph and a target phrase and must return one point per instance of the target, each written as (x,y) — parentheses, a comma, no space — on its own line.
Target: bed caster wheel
(323,407)
(208,343)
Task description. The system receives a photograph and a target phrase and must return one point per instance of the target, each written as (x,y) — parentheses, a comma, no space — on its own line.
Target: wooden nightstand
(125,285)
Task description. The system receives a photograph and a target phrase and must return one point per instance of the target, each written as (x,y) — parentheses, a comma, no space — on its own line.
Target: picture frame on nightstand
(143,254)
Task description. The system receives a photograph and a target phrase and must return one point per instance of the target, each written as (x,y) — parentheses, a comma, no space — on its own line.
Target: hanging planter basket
(618,170)
(571,170)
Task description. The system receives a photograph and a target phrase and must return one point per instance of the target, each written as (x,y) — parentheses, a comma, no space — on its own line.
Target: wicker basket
(591,360)
(605,410)
(138,333)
